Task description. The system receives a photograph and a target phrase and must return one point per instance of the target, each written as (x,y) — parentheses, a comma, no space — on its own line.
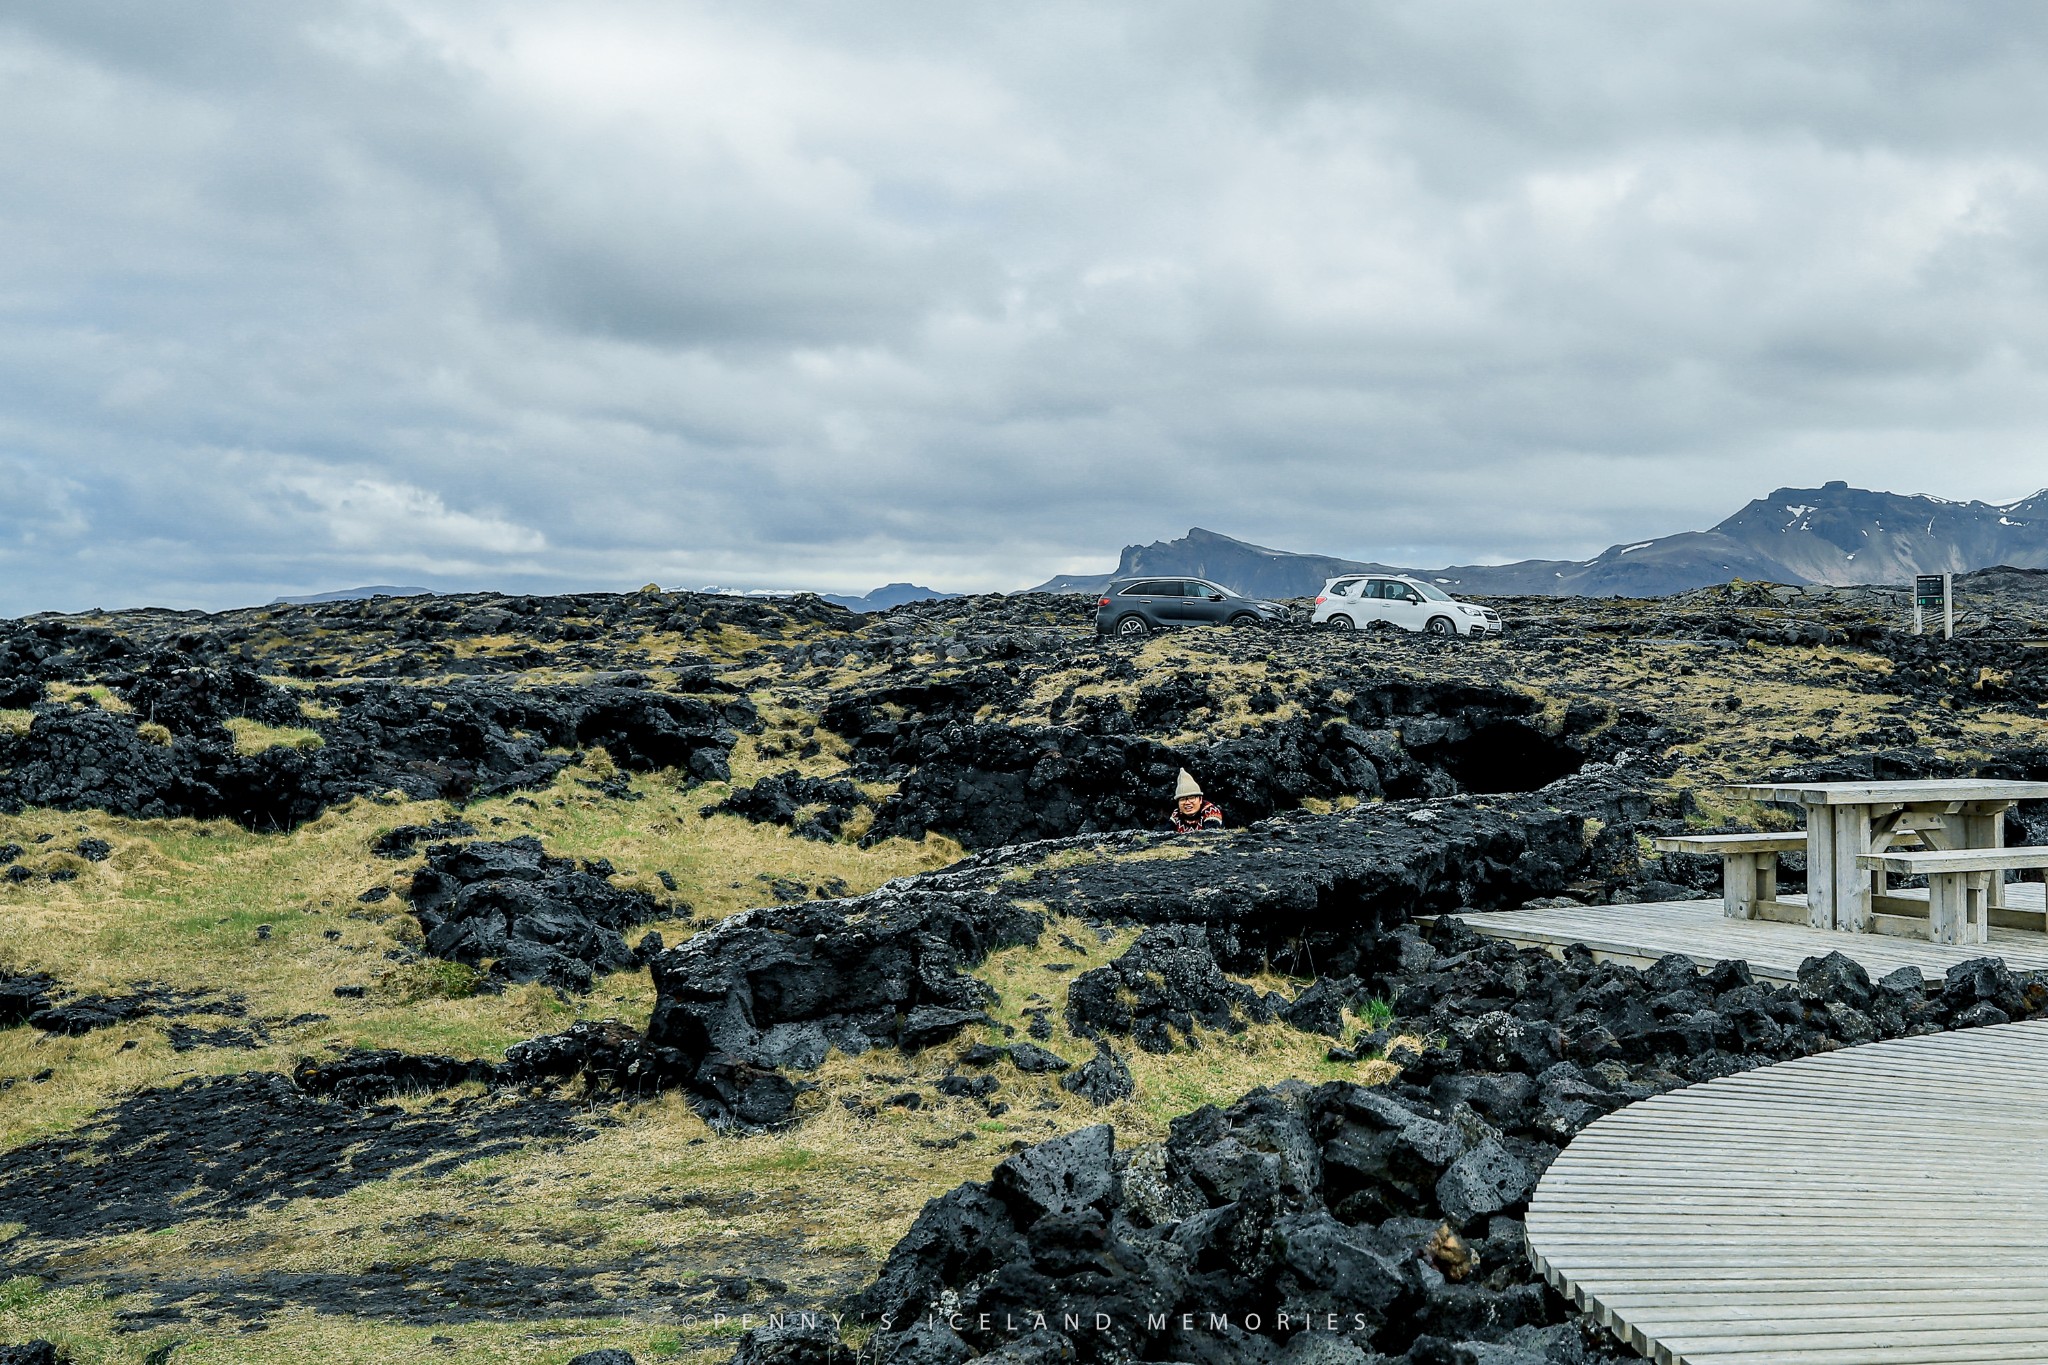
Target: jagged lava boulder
(1168,980)
(531,916)
(774,988)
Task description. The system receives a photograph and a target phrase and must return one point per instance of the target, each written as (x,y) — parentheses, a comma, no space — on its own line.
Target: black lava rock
(221,1146)
(532,916)
(23,995)
(966,1087)
(404,841)
(32,1352)
(798,1339)
(1102,1079)
(1167,980)
(775,988)
(784,798)
(365,1077)
(453,742)
(990,784)
(1035,1060)
(1320,1008)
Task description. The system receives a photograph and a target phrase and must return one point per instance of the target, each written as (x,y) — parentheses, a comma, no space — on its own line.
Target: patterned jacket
(1209,817)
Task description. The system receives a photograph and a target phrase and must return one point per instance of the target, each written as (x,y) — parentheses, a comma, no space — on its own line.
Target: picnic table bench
(1848,823)
(1960,904)
(1749,870)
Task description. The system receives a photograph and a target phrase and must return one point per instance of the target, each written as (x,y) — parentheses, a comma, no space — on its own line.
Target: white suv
(1358,601)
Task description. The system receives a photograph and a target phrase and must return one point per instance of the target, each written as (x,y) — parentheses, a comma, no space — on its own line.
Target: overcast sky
(302,296)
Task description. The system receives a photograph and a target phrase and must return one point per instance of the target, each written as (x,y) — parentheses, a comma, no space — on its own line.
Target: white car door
(1402,605)
(1365,607)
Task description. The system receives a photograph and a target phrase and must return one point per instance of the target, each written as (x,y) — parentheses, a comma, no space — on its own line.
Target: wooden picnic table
(1848,821)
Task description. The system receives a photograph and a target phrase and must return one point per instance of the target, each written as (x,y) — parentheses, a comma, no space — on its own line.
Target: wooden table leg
(1739,884)
(1851,883)
(1820,867)
(1984,827)
(1947,906)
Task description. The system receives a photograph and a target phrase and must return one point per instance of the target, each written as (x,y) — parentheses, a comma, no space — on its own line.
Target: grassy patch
(254,737)
(96,693)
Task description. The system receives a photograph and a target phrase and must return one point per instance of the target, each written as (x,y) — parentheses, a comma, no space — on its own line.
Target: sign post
(1932,590)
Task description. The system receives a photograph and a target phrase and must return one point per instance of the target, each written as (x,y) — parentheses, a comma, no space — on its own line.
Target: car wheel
(1441,625)
(1340,622)
(1132,628)
(1244,619)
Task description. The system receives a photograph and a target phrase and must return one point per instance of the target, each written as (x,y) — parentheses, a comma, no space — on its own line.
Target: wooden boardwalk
(1880,1205)
(1641,934)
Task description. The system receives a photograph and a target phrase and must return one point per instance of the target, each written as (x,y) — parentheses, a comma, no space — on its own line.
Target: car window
(1382,588)
(1348,587)
(1434,594)
(1151,587)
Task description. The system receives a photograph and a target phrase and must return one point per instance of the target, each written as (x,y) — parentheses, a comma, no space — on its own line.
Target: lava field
(661,976)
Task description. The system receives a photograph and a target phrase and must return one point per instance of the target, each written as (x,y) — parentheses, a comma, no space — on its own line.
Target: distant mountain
(1252,570)
(350,595)
(892,595)
(1833,534)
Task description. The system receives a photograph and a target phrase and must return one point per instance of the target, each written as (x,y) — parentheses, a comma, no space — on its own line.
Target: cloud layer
(535,296)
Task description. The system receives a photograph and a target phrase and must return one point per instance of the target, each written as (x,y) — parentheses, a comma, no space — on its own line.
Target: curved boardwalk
(1879,1205)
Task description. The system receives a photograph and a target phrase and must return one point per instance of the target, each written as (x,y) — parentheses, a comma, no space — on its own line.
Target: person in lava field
(1192,811)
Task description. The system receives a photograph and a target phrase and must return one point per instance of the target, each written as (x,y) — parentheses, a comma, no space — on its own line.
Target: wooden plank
(1791,842)
(1879,1205)
(1914,793)
(1639,934)
(1901,926)
(1986,859)
(1784,912)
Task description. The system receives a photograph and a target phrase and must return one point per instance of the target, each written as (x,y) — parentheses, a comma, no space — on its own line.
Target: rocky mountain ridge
(1834,535)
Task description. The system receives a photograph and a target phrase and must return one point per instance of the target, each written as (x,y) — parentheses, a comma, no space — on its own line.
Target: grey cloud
(828,295)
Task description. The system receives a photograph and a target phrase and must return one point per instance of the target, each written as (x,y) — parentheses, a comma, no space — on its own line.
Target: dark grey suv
(1132,607)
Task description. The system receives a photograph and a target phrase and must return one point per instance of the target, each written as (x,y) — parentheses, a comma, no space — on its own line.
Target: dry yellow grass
(99,695)
(253,736)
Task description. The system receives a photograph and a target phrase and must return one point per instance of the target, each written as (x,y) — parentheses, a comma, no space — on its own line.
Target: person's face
(1190,804)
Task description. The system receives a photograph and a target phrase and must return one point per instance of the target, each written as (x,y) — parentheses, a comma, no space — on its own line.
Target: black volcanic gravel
(217,1147)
